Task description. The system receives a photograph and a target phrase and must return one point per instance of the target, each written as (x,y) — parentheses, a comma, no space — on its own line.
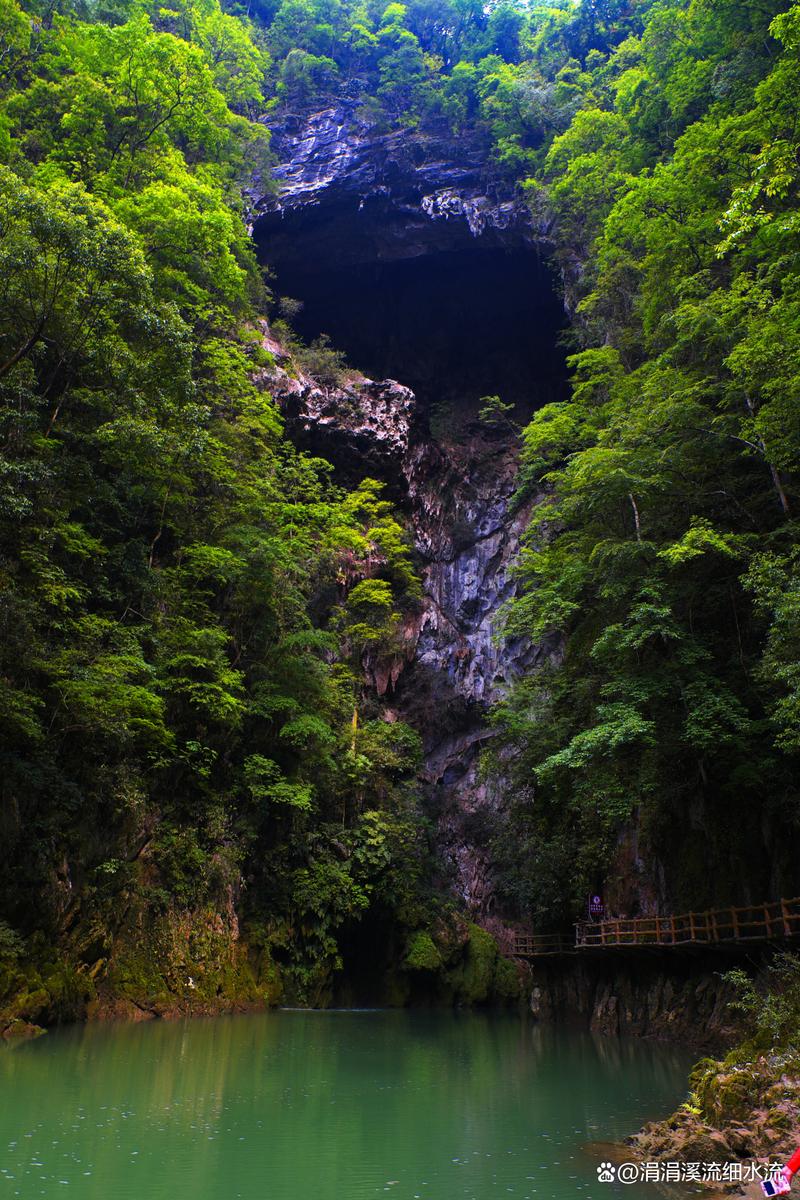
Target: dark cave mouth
(454,325)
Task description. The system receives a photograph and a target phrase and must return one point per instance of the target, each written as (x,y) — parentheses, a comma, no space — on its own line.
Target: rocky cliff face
(383,195)
(682,998)
(362,425)
(457,499)
(468,534)
(422,265)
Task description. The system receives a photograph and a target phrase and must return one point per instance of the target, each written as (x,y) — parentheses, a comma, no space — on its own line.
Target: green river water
(326,1106)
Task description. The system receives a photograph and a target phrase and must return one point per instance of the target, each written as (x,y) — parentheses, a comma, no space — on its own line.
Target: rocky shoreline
(740,1109)
(743,1097)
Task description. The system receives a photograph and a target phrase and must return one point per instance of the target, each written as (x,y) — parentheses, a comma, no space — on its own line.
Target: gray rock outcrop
(386,195)
(455,661)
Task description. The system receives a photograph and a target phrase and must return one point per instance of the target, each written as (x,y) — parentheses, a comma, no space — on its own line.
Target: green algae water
(325,1106)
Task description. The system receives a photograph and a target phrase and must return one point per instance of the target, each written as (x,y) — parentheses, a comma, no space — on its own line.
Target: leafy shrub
(323,361)
(771,1005)
(11,944)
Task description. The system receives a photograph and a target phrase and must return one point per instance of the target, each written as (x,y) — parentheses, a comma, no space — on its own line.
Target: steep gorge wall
(417,260)
(452,666)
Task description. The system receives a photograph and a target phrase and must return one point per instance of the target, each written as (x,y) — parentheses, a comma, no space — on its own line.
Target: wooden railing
(532,945)
(778,919)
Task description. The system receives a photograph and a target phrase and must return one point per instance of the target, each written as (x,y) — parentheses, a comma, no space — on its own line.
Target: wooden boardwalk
(773,921)
(534,945)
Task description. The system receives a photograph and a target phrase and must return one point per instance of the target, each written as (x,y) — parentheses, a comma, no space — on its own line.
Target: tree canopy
(663,552)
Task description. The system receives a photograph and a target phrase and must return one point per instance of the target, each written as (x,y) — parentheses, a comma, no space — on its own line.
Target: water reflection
(329,1106)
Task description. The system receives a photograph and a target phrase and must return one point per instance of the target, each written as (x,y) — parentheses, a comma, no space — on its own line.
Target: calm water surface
(325,1106)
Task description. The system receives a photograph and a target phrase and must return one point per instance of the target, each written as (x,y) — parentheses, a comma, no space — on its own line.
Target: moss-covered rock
(472,978)
(737,1108)
(423,953)
(482,975)
(507,981)
(159,963)
(19,1031)
(189,961)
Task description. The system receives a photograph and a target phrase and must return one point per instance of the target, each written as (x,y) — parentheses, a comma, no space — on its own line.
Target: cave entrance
(453,325)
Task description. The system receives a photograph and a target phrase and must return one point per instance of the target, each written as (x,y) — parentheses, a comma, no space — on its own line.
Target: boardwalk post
(735,916)
(714,930)
(787,929)
(692,937)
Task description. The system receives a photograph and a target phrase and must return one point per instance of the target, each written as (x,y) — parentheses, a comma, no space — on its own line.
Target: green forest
(187,600)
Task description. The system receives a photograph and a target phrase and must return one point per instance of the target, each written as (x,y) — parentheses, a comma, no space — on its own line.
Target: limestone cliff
(421,262)
(394,194)
(455,663)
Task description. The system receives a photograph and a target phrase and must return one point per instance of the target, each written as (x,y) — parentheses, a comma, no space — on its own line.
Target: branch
(24,349)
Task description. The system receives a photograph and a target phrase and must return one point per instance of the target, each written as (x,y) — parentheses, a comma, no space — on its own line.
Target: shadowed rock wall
(359,195)
(674,995)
